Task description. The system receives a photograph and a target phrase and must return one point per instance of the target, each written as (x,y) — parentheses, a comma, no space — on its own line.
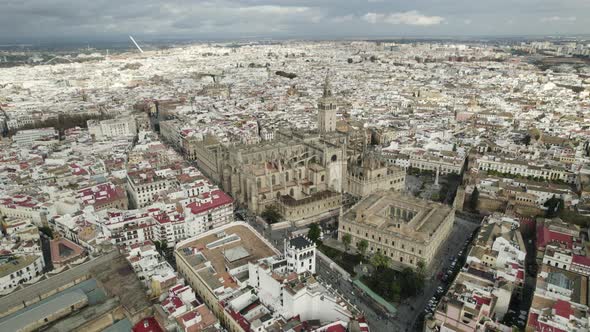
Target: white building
(524,168)
(17,270)
(148,264)
(142,186)
(23,206)
(300,254)
(266,134)
(27,137)
(295,294)
(557,257)
(445,162)
(114,128)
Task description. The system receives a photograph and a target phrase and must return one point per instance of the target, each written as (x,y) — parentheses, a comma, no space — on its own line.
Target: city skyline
(312,166)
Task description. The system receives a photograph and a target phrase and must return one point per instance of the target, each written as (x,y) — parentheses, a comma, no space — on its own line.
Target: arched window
(292,192)
(322,178)
(334,157)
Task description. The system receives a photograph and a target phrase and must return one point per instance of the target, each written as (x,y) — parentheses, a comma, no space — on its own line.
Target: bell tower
(327,110)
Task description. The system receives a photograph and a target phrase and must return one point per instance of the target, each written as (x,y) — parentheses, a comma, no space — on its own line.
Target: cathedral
(303,173)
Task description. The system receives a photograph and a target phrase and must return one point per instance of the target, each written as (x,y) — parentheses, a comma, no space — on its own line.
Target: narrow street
(378,319)
(46,252)
(411,311)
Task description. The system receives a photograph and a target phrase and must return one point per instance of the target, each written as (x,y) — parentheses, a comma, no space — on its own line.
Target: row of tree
(361,246)
(395,285)
(63,122)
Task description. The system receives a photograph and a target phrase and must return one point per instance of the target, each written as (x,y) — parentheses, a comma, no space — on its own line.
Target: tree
(346,239)
(362,246)
(554,206)
(396,291)
(47,231)
(271,214)
(473,199)
(527,139)
(421,267)
(161,246)
(314,232)
(412,282)
(380,261)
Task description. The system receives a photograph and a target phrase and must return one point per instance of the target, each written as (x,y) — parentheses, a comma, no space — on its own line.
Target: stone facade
(327,110)
(315,205)
(368,174)
(293,170)
(207,152)
(404,228)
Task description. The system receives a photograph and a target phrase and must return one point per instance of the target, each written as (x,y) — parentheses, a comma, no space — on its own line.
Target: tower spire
(327,86)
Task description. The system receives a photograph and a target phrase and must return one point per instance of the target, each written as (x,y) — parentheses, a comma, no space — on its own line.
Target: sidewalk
(383,302)
(333,243)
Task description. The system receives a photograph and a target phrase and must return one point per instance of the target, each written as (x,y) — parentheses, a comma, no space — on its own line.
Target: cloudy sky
(103,19)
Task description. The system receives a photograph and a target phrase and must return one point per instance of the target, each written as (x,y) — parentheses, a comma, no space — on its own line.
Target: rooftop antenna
(136,45)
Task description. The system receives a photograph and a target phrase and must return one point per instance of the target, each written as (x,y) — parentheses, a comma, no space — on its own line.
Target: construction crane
(57,57)
(136,45)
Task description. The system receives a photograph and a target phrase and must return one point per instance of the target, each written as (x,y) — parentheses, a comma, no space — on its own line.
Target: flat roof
(123,325)
(249,242)
(236,253)
(21,321)
(11,265)
(300,242)
(15,299)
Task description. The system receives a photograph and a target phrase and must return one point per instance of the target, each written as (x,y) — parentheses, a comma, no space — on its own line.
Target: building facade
(17,270)
(368,174)
(327,110)
(406,229)
(113,128)
(300,254)
(142,186)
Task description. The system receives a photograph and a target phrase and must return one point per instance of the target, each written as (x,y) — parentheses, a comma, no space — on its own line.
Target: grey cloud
(35,19)
(409,18)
